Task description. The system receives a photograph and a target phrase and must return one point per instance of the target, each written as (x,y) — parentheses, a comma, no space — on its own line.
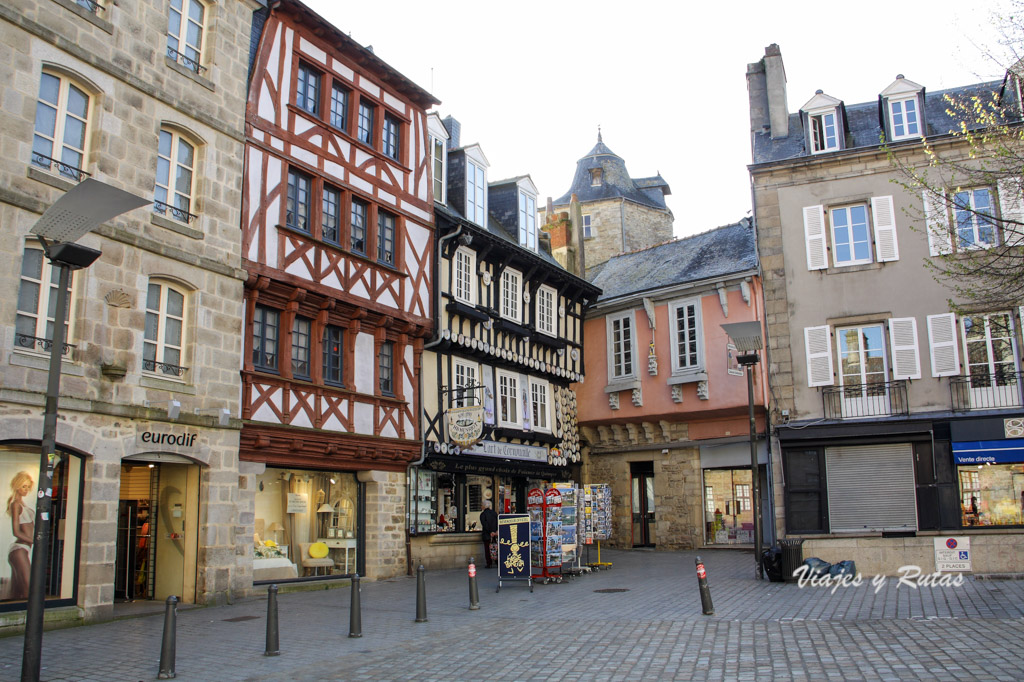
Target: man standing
(489,522)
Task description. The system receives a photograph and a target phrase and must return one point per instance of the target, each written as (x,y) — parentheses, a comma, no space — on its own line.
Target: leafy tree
(981,259)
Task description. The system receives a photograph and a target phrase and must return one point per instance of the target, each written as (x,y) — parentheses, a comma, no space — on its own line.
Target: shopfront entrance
(642,494)
(157,529)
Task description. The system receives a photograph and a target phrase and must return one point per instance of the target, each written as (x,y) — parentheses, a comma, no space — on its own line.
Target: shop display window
(451,503)
(992,494)
(19,480)
(729,518)
(306,524)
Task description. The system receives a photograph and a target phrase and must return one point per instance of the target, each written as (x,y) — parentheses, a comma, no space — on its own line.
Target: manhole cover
(239,619)
(612,589)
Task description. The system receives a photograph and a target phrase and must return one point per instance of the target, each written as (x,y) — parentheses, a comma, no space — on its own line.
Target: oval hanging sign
(466,424)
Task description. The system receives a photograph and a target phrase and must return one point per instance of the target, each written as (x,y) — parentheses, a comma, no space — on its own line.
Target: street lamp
(746,336)
(81,210)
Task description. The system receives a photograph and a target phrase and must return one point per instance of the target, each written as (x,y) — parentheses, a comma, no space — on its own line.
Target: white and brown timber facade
(337,239)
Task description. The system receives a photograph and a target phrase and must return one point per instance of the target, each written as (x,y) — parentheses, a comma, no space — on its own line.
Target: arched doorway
(157,528)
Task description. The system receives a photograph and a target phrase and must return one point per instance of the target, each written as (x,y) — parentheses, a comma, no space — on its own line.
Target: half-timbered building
(499,414)
(337,239)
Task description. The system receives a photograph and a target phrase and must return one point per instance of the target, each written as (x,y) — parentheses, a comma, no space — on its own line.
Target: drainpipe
(433,343)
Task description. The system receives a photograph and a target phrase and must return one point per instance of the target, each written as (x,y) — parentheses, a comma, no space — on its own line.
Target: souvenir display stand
(545,510)
(571,497)
(597,520)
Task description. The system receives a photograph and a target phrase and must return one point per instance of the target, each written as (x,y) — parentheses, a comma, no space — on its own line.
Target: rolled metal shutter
(871,488)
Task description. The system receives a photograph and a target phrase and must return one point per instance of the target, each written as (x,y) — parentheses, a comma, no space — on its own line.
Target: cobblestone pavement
(641,619)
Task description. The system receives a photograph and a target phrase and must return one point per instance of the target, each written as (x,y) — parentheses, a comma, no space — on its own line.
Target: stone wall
(995,553)
(386,494)
(645,227)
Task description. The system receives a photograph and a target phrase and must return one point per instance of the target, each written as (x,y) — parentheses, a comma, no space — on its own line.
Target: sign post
(952,553)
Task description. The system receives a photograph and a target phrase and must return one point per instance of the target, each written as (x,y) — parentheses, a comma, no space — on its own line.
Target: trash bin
(792,558)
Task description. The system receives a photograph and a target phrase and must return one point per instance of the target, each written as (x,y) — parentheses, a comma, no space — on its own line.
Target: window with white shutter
(886,247)
(1011,210)
(814,234)
(939,240)
(942,345)
(906,363)
(817,341)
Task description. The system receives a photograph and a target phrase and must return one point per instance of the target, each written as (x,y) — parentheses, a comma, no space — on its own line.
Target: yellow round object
(318,550)
(270,543)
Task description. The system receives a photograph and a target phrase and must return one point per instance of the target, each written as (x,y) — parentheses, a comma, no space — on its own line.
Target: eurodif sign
(164,437)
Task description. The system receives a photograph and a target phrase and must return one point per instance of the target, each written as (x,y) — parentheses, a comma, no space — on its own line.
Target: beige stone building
(148,497)
(617,213)
(896,421)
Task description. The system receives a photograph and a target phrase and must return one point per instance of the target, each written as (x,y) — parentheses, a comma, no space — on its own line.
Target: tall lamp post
(746,336)
(81,210)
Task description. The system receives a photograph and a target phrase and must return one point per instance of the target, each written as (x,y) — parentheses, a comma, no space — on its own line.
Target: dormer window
(527,221)
(823,133)
(823,123)
(903,118)
(476,193)
(595,177)
(900,109)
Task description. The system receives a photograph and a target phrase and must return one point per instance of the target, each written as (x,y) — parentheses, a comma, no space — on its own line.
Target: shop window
(992,484)
(19,479)
(296,509)
(729,519)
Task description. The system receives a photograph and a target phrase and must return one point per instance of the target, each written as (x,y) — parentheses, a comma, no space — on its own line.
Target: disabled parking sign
(953,553)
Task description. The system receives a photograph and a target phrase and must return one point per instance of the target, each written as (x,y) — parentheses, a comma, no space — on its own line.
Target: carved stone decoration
(677,393)
(613,400)
(702,390)
(652,361)
(638,397)
(485,276)
(526,296)
(116,298)
(561,311)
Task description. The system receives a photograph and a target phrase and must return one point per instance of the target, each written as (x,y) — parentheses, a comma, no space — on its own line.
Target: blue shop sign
(1007,451)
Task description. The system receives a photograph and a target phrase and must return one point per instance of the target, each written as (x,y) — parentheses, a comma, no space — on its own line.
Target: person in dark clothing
(489,522)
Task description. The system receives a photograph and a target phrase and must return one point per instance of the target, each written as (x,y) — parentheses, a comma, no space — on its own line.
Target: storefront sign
(490,448)
(164,437)
(989,451)
(466,424)
(1013,427)
(952,553)
(297,503)
(513,546)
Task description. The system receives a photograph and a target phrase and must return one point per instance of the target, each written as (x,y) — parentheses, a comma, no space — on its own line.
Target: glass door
(642,494)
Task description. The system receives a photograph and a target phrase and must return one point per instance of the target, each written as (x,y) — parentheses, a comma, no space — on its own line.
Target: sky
(665,81)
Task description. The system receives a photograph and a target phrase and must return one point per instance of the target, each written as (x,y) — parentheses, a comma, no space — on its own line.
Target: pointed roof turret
(602,174)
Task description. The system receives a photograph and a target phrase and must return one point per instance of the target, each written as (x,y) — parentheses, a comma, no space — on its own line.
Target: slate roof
(864,125)
(720,252)
(615,181)
(496,229)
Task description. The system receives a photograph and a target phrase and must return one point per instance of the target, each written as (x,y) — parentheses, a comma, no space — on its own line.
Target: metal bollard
(167,646)
(705,592)
(355,614)
(474,596)
(273,643)
(421,595)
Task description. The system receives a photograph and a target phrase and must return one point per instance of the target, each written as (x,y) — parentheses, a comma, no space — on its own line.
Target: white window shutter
(818,344)
(814,234)
(906,362)
(940,242)
(943,347)
(1011,207)
(886,247)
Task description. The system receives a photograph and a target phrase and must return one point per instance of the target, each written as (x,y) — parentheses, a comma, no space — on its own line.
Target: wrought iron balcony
(68,171)
(187,62)
(986,391)
(164,367)
(883,399)
(30,342)
(179,214)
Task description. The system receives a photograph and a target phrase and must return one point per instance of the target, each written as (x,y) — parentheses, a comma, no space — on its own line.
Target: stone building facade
(148,500)
(895,419)
(663,413)
(617,213)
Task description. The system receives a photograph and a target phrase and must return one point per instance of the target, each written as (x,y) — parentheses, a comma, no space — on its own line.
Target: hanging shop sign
(513,546)
(465,424)
(490,448)
(953,553)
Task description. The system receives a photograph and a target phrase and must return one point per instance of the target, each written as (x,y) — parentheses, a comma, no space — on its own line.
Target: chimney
(775,80)
(454,129)
(757,93)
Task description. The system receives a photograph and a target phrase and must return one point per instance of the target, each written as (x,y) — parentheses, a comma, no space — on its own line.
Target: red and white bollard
(474,597)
